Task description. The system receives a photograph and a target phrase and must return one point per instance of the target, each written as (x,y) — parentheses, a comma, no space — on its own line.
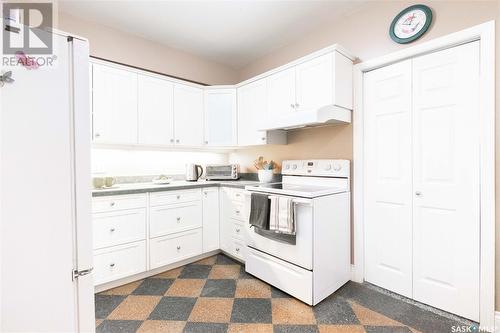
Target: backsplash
(118,162)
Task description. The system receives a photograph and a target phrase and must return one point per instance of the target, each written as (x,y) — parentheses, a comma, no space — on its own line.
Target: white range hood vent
(327,115)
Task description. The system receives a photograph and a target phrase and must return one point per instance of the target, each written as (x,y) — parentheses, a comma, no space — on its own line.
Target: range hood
(326,115)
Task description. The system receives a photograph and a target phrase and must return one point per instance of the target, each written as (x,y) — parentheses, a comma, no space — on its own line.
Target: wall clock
(410,24)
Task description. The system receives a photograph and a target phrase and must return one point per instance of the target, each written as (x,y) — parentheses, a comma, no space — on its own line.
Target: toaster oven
(222,172)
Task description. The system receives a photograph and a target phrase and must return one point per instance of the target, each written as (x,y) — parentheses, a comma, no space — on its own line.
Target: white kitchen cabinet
(310,85)
(220,117)
(314,83)
(118,227)
(281,93)
(233,217)
(176,247)
(188,115)
(252,112)
(155,111)
(113,263)
(169,219)
(114,105)
(210,219)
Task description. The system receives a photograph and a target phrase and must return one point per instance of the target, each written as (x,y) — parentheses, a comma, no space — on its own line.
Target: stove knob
(287,166)
(328,167)
(337,167)
(294,167)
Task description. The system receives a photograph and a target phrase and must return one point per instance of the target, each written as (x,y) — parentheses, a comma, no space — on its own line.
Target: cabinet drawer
(118,262)
(238,230)
(172,248)
(238,249)
(164,220)
(167,198)
(118,202)
(115,228)
(237,212)
(238,195)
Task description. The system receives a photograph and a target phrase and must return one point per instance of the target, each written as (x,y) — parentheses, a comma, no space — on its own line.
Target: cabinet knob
(237,249)
(263,139)
(112,203)
(296,105)
(178,219)
(178,197)
(178,247)
(237,212)
(292,106)
(112,229)
(418,193)
(171,140)
(112,265)
(206,142)
(238,230)
(97,135)
(177,141)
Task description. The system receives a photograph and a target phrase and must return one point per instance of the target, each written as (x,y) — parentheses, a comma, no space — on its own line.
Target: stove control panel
(328,168)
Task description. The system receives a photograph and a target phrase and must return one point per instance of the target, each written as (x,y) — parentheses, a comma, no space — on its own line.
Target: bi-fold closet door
(421,144)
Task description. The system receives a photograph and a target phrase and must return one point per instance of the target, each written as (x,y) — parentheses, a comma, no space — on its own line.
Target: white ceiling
(233,33)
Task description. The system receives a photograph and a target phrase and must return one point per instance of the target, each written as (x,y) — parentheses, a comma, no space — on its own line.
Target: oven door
(301,253)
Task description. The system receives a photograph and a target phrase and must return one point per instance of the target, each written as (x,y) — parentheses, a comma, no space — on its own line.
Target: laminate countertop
(132,188)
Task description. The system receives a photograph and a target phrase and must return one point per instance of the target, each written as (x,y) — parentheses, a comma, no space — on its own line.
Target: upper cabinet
(252,111)
(281,92)
(312,84)
(188,115)
(133,107)
(220,117)
(155,111)
(114,105)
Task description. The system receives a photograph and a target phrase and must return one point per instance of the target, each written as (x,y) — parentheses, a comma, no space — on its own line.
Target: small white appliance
(222,172)
(318,263)
(193,172)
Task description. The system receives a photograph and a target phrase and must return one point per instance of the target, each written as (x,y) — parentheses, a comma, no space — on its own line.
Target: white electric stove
(321,196)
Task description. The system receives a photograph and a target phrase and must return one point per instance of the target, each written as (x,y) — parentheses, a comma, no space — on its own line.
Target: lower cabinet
(211,219)
(175,247)
(120,261)
(139,232)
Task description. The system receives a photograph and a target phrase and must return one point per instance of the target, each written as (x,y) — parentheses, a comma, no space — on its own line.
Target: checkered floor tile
(216,295)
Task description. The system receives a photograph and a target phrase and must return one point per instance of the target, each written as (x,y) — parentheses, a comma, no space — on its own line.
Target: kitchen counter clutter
(142,229)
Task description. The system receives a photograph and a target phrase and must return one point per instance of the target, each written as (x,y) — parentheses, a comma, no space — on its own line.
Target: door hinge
(76,273)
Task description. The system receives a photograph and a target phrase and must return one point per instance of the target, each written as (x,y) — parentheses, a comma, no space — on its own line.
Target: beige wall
(122,47)
(365,34)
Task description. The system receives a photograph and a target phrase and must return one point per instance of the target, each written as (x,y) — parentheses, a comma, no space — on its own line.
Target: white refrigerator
(45,195)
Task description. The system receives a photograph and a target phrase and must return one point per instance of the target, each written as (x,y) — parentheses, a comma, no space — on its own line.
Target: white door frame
(485,33)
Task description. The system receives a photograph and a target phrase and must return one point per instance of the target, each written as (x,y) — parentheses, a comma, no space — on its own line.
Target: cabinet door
(281,93)
(188,115)
(446,221)
(315,83)
(388,199)
(114,105)
(251,113)
(226,206)
(210,219)
(220,117)
(156,111)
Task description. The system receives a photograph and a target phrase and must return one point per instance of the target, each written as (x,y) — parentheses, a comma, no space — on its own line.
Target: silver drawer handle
(178,219)
(178,247)
(238,230)
(112,265)
(97,135)
(418,193)
(237,212)
(178,197)
(237,249)
(112,203)
(112,229)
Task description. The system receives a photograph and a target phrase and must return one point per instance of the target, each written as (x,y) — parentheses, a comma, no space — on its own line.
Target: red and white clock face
(410,24)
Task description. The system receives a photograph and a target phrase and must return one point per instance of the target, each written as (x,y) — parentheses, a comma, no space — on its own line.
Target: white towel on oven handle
(282,217)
